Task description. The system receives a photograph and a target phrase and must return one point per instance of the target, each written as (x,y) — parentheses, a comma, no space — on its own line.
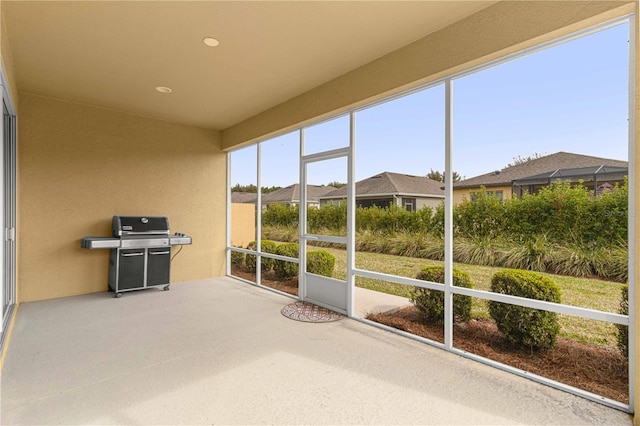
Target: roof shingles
(291,194)
(388,183)
(548,163)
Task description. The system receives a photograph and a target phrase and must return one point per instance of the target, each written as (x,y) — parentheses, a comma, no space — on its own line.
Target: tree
(253,189)
(244,188)
(439,176)
(520,159)
(267,189)
(336,184)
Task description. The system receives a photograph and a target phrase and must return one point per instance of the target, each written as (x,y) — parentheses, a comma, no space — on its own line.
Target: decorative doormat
(308,312)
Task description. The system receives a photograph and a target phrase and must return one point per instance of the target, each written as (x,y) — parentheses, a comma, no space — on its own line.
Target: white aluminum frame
(304,236)
(631,279)
(8,155)
(448,288)
(258,237)
(448,214)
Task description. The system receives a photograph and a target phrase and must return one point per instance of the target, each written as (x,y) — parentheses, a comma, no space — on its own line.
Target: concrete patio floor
(218,351)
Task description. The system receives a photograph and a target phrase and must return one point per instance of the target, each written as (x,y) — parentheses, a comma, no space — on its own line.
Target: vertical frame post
(259,213)
(351,216)
(632,217)
(229,218)
(302,226)
(448,214)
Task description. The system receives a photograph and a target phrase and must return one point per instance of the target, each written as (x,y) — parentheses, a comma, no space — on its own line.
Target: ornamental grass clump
(534,254)
(477,251)
(612,262)
(430,303)
(527,327)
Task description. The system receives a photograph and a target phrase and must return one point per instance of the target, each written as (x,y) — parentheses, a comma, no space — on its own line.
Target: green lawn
(582,292)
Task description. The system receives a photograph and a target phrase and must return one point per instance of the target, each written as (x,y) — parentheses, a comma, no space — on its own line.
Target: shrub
(608,216)
(430,303)
(330,217)
(237,259)
(558,211)
(280,215)
(266,246)
(623,330)
(481,218)
(523,326)
(390,219)
(285,269)
(320,262)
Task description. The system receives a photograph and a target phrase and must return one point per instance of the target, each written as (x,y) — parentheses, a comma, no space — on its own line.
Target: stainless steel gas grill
(140,252)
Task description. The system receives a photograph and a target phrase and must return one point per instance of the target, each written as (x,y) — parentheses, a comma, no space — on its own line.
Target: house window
(499,194)
(377,202)
(409,204)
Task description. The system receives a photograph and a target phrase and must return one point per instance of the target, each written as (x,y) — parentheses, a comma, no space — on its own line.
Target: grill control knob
(144,220)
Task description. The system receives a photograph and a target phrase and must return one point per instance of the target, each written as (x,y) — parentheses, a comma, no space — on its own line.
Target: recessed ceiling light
(210,41)
(163,89)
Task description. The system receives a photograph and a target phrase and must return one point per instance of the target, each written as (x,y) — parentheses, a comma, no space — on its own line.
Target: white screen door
(325,222)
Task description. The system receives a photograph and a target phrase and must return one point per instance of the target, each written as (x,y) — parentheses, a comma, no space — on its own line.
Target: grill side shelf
(114,242)
(177,240)
(100,243)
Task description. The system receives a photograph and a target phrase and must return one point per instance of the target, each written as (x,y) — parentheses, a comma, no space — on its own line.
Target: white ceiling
(113,54)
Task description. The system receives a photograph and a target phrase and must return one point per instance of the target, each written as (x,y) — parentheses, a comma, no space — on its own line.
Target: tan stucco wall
(461,194)
(78,166)
(243,224)
(428,202)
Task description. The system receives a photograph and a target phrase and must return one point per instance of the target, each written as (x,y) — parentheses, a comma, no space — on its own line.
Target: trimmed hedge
(378,219)
(237,259)
(285,269)
(527,327)
(430,303)
(320,262)
(266,246)
(563,213)
(623,330)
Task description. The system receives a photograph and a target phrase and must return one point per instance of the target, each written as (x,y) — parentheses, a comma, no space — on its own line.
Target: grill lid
(140,225)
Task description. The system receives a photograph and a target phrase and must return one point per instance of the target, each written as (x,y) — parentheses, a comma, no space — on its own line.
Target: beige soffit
(114,54)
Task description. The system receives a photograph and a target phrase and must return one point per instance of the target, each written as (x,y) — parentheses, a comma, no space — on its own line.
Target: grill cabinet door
(131,269)
(159,266)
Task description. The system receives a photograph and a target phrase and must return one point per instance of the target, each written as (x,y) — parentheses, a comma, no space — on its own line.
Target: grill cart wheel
(118,295)
(166,288)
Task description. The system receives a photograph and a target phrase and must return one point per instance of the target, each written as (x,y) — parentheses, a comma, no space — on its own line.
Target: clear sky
(572,97)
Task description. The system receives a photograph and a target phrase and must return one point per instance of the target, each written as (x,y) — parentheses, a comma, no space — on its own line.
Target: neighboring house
(291,195)
(596,173)
(244,197)
(385,189)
